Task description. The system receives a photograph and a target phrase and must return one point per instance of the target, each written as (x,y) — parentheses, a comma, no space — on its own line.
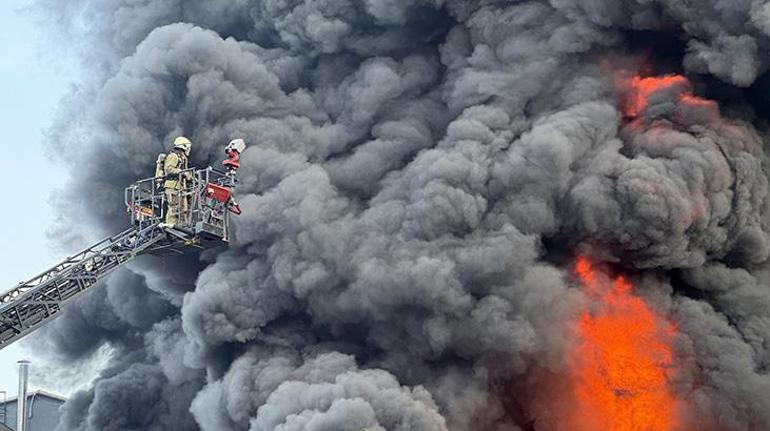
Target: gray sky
(33,81)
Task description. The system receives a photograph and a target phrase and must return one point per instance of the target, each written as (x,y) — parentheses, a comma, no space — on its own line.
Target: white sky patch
(33,83)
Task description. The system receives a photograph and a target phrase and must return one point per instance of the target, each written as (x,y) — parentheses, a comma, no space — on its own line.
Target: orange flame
(640,90)
(619,368)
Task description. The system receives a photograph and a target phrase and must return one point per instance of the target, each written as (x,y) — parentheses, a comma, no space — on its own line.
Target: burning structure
(456,215)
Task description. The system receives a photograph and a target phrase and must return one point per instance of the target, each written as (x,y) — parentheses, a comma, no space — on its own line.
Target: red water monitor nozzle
(233,151)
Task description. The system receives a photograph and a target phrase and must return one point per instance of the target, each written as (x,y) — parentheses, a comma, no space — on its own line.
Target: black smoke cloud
(419,173)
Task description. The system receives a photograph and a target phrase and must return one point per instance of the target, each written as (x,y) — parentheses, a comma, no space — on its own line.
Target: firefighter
(158,204)
(176,161)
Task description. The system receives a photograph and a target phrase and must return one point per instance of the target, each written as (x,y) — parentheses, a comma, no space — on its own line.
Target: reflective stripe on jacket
(175,163)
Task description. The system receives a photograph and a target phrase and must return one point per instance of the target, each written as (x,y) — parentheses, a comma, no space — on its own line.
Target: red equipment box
(218,193)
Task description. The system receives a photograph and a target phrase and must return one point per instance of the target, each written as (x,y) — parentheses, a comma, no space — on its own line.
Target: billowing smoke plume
(419,176)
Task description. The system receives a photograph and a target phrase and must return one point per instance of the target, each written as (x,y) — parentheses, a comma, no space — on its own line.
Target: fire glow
(641,90)
(619,368)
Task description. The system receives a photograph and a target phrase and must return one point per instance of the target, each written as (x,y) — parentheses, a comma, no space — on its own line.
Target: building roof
(4,427)
(38,393)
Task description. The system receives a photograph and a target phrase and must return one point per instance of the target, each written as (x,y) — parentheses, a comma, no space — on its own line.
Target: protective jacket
(175,163)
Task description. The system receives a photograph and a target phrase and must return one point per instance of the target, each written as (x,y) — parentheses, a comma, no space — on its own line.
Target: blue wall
(45,413)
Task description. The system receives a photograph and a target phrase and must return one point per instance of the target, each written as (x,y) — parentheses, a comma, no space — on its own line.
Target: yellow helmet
(184,144)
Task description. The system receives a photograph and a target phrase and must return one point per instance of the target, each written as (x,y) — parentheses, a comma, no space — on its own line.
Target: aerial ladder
(204,207)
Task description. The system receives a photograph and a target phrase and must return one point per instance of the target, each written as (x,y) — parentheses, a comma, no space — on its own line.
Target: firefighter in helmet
(176,161)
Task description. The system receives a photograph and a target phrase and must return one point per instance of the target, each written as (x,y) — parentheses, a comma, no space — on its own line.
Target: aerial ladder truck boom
(204,208)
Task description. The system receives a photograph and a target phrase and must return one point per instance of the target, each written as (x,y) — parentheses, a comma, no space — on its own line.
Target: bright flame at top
(642,88)
(619,368)
(673,88)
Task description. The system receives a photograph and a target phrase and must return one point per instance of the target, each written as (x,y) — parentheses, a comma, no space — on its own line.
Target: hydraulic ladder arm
(31,304)
(203,208)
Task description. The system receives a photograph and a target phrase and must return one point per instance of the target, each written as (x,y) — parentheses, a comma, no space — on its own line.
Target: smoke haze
(418,178)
